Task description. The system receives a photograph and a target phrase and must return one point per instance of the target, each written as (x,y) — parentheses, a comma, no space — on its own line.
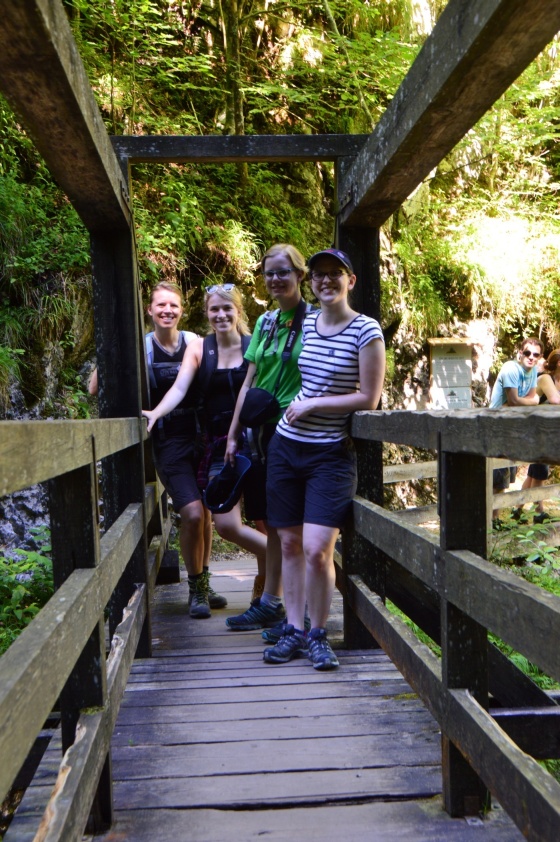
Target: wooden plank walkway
(213,744)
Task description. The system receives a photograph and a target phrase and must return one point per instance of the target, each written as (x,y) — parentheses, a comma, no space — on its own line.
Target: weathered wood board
(212,743)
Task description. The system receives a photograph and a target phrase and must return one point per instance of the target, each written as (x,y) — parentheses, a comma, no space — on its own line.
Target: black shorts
(310,483)
(176,460)
(538,471)
(501,478)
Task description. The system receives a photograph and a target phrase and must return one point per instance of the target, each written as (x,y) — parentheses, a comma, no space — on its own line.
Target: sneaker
(199,606)
(320,653)
(215,600)
(274,634)
(292,644)
(258,587)
(257,616)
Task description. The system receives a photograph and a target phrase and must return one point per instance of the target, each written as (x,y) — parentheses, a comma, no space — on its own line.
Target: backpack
(271,316)
(149,340)
(209,361)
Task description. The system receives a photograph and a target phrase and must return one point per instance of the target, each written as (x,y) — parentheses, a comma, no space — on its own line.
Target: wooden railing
(496,723)
(76,654)
(412,471)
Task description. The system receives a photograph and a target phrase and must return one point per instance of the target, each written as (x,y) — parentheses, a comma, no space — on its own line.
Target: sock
(270,599)
(194,579)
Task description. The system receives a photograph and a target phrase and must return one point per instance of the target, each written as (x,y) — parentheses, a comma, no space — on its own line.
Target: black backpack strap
(208,363)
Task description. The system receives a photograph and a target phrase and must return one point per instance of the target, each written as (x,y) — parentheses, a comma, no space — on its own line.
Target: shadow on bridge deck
(213,744)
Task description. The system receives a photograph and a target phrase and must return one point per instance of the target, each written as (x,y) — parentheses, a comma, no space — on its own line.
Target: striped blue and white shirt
(329,365)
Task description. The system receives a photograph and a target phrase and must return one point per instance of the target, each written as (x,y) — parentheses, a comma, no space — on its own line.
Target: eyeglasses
(281,274)
(333,275)
(218,287)
(535,354)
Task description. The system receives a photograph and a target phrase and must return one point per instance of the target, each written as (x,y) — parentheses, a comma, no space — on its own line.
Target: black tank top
(220,398)
(182,420)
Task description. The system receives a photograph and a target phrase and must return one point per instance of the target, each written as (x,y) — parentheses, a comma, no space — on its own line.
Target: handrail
(36,451)
(62,650)
(485,706)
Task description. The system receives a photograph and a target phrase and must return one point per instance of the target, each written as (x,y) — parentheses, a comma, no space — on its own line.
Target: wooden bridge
(495,723)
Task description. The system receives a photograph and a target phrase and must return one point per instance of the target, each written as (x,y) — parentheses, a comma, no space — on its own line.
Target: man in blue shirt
(516,385)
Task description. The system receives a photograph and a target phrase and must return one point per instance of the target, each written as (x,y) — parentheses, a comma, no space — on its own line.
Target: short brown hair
(532,340)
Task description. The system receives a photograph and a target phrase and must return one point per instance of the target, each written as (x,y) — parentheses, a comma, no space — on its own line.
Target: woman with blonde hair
(213,371)
(272,369)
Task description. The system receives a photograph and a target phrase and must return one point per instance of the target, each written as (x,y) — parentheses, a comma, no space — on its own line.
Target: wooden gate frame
(475,52)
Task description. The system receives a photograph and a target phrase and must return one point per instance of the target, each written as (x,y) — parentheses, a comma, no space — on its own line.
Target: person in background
(215,368)
(548,391)
(312,472)
(175,439)
(283,268)
(516,385)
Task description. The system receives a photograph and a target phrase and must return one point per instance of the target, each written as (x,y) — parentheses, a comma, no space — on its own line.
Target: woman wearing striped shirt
(311,459)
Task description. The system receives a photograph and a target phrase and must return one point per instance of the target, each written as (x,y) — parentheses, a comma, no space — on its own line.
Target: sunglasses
(535,354)
(218,287)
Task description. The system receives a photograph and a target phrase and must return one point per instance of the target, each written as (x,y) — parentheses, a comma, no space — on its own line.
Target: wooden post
(359,557)
(121,372)
(73,503)
(464,647)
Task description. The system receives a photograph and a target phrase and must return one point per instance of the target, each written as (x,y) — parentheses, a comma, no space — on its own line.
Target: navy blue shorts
(310,483)
(538,471)
(176,460)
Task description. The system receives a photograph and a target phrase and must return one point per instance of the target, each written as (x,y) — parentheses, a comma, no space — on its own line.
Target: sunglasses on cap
(535,354)
(218,287)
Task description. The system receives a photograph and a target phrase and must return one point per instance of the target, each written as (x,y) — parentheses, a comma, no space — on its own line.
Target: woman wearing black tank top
(174,441)
(218,394)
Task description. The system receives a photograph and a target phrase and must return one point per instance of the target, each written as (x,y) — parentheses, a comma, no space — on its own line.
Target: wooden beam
(528,793)
(43,78)
(475,52)
(177,149)
(35,451)
(522,614)
(524,434)
(45,652)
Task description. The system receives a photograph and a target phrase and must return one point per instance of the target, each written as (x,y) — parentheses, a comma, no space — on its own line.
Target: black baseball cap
(340,255)
(224,491)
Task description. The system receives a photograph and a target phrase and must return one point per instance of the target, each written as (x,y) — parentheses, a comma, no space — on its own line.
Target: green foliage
(10,360)
(535,547)
(26,584)
(527,545)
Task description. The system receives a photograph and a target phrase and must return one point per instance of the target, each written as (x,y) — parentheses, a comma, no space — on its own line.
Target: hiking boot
(199,607)
(320,653)
(258,587)
(292,644)
(257,616)
(274,634)
(215,600)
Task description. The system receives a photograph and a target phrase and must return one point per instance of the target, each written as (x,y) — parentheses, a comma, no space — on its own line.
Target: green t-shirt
(267,356)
